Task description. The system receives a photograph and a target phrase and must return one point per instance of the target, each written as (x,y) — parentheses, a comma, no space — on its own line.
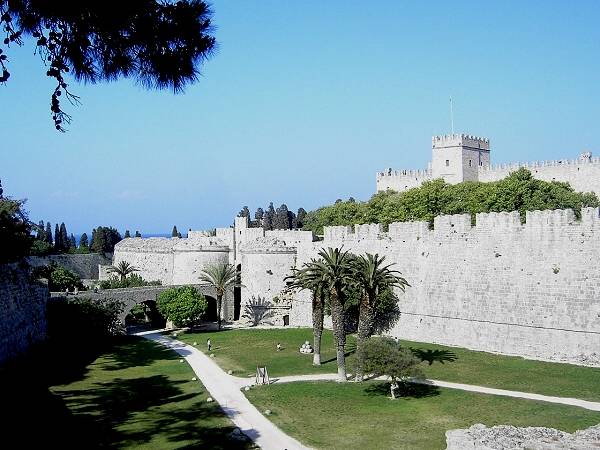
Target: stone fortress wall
(461,157)
(85,265)
(263,258)
(528,289)
(22,311)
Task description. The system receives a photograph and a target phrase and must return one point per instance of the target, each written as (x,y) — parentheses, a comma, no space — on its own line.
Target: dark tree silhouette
(160,44)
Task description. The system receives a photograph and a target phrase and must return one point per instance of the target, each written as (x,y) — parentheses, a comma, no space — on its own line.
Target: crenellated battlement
(460,140)
(584,159)
(409,173)
(446,226)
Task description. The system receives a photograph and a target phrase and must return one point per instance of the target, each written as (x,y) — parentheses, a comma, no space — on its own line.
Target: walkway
(593,406)
(225,389)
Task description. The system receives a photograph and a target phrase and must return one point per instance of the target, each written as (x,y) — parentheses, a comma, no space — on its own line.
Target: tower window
(447,163)
(481,163)
(470,163)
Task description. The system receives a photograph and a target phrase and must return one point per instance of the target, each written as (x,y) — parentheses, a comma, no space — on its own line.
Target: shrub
(82,318)
(183,306)
(132,280)
(59,278)
(384,356)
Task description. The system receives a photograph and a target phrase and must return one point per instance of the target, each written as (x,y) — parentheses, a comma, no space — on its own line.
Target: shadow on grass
(430,356)
(43,410)
(350,350)
(405,390)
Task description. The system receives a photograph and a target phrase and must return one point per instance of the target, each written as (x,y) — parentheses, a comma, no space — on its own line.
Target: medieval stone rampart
(529,289)
(582,174)
(22,311)
(85,265)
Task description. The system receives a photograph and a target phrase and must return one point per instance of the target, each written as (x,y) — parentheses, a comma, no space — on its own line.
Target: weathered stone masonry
(22,311)
(531,290)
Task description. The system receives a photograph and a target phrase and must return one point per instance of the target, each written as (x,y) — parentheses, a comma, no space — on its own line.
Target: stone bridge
(134,296)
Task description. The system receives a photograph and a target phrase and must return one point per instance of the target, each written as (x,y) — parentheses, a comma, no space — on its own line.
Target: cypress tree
(269,217)
(174,232)
(281,221)
(64,238)
(137,234)
(258,217)
(49,239)
(83,241)
(57,241)
(72,242)
(127,235)
(300,217)
(41,231)
(245,212)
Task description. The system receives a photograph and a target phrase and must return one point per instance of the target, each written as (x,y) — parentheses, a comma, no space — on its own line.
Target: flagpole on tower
(451,116)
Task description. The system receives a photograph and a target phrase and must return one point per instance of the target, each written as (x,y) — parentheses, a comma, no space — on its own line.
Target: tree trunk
(365,327)
(339,333)
(318,313)
(219,300)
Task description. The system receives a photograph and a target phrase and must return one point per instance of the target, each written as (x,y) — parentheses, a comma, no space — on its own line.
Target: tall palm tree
(220,276)
(308,277)
(335,267)
(372,276)
(122,269)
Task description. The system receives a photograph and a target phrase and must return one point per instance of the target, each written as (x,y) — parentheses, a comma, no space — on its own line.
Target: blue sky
(302,103)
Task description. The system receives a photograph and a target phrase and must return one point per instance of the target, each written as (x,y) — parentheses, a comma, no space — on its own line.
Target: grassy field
(134,395)
(242,350)
(329,415)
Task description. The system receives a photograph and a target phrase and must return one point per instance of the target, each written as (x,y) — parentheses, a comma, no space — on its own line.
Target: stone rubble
(508,437)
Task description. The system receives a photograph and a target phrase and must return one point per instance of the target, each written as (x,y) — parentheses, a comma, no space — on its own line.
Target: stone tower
(458,157)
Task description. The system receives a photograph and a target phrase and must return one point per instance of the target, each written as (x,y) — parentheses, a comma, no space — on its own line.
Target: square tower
(458,157)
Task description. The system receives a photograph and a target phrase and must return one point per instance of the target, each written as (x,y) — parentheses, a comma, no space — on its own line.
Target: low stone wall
(84,265)
(22,311)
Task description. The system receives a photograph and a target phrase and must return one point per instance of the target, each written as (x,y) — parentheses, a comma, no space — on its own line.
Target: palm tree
(373,276)
(308,277)
(335,269)
(220,276)
(122,269)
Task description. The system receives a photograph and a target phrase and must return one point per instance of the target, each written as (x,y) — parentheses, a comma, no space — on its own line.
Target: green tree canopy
(161,44)
(183,306)
(517,192)
(15,231)
(385,357)
(104,239)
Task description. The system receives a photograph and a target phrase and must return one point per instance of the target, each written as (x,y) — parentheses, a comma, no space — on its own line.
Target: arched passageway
(211,312)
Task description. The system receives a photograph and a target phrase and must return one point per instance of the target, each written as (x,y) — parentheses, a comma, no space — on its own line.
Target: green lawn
(136,394)
(243,349)
(329,415)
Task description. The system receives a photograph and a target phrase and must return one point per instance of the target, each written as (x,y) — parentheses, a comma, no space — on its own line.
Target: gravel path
(225,390)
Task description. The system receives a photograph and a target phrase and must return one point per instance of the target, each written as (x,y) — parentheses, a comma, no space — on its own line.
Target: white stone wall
(264,270)
(190,257)
(531,290)
(469,160)
(152,256)
(401,180)
(582,175)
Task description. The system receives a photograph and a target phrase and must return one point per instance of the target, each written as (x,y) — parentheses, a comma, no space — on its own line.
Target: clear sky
(302,103)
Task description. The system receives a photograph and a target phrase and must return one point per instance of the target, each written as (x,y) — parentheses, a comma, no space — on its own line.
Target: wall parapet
(460,224)
(537,164)
(402,173)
